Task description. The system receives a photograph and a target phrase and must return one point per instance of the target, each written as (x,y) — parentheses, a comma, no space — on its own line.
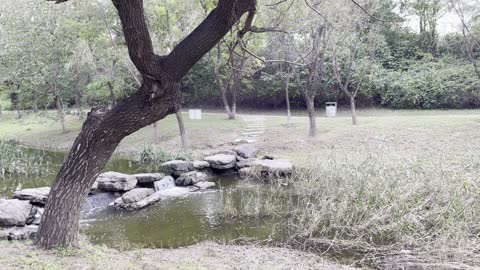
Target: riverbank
(207,255)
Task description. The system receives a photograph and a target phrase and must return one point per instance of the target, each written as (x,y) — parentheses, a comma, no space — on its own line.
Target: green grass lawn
(43,131)
(408,133)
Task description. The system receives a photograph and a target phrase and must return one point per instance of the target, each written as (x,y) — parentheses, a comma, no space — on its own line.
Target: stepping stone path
(254,130)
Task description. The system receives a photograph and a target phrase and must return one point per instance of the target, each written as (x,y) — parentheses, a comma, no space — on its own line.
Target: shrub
(149,155)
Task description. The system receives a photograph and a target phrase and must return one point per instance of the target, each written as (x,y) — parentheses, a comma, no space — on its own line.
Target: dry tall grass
(380,207)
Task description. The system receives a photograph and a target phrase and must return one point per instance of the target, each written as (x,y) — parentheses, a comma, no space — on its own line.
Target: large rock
(37,217)
(113,182)
(166,183)
(218,152)
(221,161)
(273,169)
(93,189)
(200,165)
(136,195)
(97,202)
(19,233)
(176,167)
(245,172)
(246,150)
(205,185)
(135,199)
(153,198)
(148,178)
(191,178)
(176,192)
(34,195)
(243,162)
(14,212)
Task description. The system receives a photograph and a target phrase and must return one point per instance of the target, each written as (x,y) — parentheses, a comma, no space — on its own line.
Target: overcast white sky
(448,23)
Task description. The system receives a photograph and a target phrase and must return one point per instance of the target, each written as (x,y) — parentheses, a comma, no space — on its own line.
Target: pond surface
(172,222)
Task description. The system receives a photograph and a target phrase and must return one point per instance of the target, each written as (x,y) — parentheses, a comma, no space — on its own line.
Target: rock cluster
(20,217)
(22,214)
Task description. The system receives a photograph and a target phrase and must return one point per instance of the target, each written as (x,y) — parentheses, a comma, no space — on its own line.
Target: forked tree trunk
(60,113)
(237,77)
(312,127)
(223,88)
(181,127)
(353,110)
(103,130)
(225,101)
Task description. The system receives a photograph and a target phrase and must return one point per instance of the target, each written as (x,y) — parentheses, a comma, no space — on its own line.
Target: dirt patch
(206,255)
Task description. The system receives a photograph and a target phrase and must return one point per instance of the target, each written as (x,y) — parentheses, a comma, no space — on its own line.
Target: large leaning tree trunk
(158,96)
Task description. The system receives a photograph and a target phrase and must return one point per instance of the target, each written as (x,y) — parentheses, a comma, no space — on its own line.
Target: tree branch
(205,36)
(137,36)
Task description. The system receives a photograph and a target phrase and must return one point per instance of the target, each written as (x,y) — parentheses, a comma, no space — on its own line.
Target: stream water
(173,222)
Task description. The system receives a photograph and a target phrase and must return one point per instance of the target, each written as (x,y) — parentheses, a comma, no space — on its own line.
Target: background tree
(468,12)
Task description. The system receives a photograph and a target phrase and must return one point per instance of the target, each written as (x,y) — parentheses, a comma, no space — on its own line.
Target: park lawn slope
(43,131)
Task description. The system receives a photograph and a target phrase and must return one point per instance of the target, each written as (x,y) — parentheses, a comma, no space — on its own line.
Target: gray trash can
(331,109)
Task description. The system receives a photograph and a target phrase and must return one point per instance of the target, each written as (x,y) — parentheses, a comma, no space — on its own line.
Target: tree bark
(353,110)
(312,127)
(181,127)
(103,129)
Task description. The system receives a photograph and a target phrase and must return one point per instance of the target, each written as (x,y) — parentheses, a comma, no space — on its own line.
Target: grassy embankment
(402,188)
